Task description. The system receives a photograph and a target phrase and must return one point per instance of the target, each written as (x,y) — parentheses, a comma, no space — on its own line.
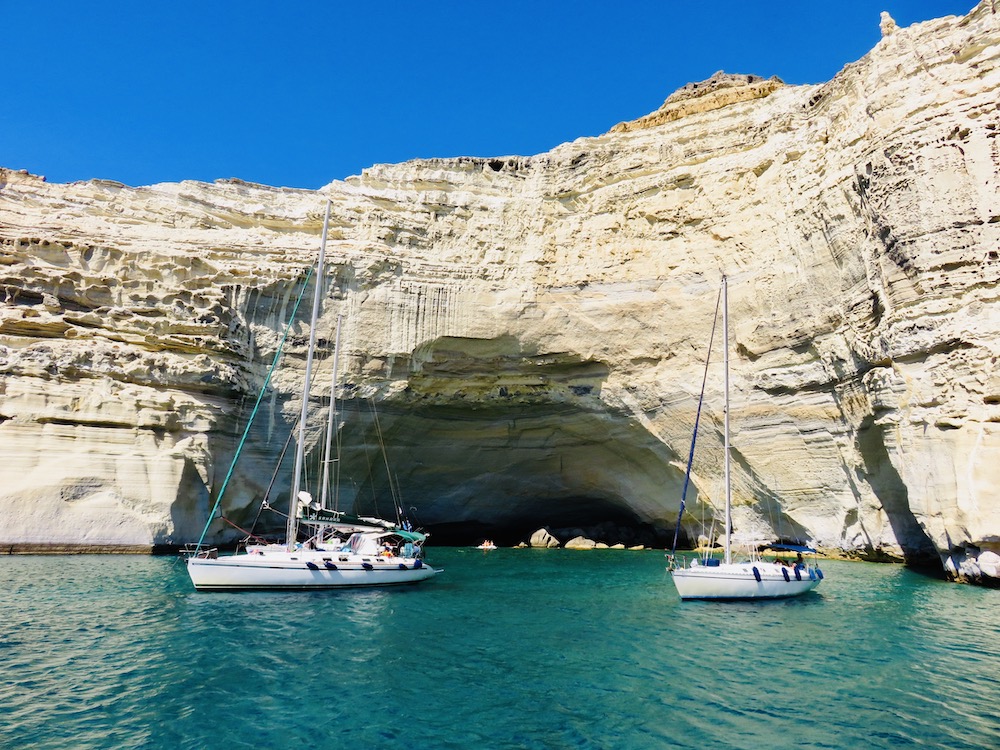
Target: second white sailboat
(754,578)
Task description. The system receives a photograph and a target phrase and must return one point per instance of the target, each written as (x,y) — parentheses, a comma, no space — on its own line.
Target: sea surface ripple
(507,649)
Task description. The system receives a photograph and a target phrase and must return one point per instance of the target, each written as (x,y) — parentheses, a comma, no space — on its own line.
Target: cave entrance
(919,552)
(565,518)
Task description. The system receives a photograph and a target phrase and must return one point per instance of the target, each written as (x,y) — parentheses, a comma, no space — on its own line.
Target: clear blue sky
(301,92)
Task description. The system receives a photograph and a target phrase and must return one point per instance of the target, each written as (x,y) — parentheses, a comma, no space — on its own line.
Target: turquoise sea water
(507,649)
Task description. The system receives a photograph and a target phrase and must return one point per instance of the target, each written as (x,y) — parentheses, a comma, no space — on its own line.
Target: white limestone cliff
(533,328)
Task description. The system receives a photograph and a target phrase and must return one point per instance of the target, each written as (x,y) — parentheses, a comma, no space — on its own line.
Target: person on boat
(799,562)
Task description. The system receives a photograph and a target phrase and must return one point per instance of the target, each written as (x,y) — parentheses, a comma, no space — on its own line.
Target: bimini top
(409,536)
(789,548)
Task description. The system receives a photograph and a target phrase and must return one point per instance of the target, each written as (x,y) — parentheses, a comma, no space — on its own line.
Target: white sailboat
(754,578)
(342,551)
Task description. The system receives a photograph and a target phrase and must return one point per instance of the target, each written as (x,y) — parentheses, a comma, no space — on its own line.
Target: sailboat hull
(739,581)
(244,572)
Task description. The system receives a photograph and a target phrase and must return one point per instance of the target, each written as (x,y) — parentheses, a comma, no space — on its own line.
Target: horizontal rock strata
(531,330)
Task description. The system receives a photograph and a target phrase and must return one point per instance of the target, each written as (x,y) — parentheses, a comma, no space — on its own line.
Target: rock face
(532,329)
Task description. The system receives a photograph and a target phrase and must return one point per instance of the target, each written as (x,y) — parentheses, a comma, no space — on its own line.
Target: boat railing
(204,553)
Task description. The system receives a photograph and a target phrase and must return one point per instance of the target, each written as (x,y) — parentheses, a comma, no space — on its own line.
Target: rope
(249,534)
(256,406)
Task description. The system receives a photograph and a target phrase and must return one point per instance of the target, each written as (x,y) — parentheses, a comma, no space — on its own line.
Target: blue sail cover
(790,548)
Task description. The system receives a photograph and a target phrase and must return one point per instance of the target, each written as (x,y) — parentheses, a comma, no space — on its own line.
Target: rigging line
(249,534)
(293,497)
(331,418)
(337,466)
(393,489)
(256,407)
(399,500)
(371,466)
(304,473)
(369,477)
(770,517)
(274,477)
(709,527)
(413,515)
(312,454)
(697,420)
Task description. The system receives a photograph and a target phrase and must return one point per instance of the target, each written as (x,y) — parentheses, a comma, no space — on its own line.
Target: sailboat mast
(725,360)
(291,529)
(331,422)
